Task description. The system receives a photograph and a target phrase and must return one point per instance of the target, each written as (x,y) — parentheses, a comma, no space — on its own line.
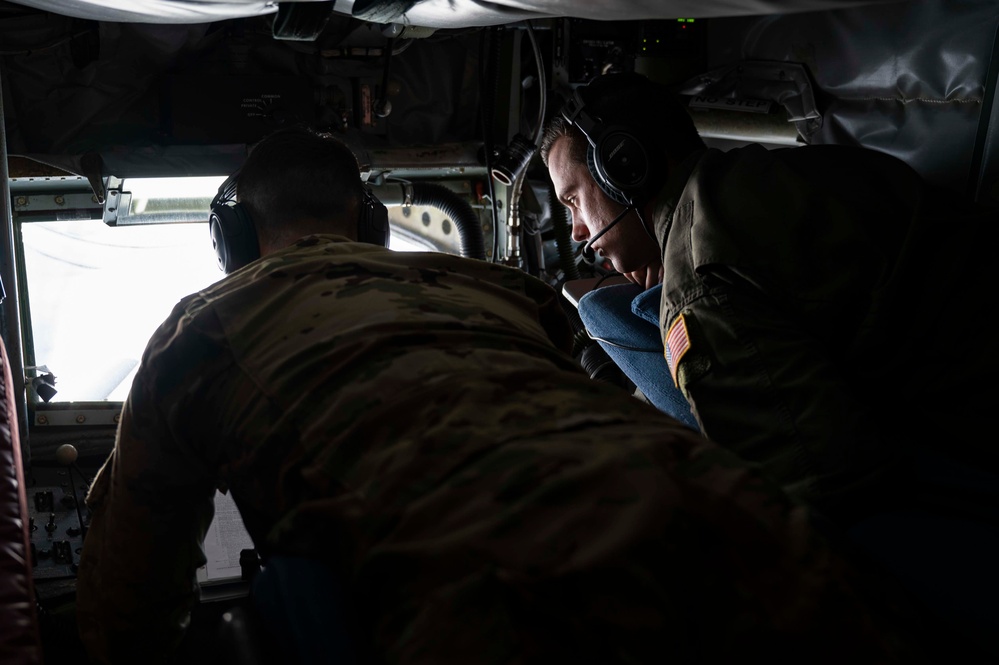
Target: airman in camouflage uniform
(812,314)
(415,422)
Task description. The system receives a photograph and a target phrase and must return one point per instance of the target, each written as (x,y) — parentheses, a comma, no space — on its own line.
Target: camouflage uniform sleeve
(551,316)
(795,413)
(152,503)
(762,341)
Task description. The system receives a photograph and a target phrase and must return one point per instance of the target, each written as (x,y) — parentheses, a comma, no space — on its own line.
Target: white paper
(225,538)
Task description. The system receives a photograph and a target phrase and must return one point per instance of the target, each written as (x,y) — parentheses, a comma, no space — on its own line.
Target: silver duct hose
(458,210)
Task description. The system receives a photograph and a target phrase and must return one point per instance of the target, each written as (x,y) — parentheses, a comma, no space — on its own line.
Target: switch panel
(55,530)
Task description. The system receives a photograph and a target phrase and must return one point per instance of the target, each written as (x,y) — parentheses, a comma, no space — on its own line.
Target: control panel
(57,521)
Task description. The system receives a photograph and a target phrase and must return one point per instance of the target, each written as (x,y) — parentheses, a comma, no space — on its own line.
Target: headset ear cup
(601,180)
(615,157)
(234,237)
(623,164)
(217,234)
(373,225)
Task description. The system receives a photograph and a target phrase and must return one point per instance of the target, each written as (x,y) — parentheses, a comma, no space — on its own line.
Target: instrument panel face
(57,521)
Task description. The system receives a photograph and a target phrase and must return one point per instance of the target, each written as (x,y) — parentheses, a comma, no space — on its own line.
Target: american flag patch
(677,344)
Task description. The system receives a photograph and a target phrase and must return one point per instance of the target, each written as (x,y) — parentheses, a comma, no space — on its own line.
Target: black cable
(542,84)
(648,232)
(606,277)
(624,346)
(382,106)
(86,482)
(486,73)
(588,251)
(46,47)
(77,500)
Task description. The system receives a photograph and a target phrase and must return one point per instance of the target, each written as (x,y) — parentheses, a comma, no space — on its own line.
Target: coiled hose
(458,210)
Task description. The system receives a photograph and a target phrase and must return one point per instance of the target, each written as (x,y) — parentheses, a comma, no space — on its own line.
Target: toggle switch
(62,552)
(44,501)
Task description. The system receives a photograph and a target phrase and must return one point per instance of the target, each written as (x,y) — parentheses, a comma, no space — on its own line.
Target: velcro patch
(677,344)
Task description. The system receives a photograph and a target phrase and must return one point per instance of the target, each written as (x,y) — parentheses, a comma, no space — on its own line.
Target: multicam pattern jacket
(414,421)
(811,314)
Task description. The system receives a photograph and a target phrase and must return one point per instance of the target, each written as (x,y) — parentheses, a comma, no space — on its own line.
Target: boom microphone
(588,252)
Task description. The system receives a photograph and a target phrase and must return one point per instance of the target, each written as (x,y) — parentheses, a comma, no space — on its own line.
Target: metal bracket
(92,165)
(116,200)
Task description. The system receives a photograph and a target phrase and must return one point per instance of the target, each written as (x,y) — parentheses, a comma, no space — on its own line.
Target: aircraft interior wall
(95,98)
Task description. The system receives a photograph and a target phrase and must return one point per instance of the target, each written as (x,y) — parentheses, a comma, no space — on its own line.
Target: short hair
(636,102)
(296,175)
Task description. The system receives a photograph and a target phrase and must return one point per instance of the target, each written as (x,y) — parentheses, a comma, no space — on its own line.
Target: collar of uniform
(319,239)
(670,193)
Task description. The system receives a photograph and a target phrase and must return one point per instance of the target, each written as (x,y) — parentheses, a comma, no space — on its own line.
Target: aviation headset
(234,237)
(616,156)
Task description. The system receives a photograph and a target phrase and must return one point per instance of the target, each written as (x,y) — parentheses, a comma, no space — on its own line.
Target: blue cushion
(646,304)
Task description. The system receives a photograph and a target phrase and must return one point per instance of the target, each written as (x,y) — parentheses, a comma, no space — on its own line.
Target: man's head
(653,116)
(296,182)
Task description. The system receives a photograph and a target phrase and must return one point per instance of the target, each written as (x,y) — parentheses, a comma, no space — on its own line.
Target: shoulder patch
(677,344)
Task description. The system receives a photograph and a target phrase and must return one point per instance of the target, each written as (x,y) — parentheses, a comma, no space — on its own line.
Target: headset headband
(615,157)
(234,235)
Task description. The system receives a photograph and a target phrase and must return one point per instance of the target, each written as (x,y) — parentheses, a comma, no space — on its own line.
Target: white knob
(66,454)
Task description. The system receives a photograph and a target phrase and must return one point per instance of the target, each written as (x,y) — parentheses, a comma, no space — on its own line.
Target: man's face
(627,245)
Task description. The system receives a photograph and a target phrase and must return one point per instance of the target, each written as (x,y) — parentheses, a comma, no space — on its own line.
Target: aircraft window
(176,200)
(96,294)
(160,200)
